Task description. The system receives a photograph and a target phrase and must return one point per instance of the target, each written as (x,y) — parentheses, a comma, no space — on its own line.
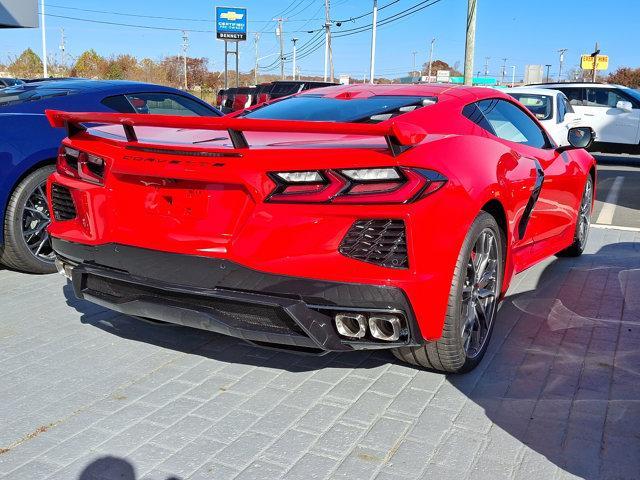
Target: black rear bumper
(228,298)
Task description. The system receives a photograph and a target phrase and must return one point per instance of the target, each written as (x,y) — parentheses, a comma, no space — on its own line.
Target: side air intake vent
(63,206)
(382,242)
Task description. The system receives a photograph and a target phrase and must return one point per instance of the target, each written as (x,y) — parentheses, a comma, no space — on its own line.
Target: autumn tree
(627,76)
(90,65)
(440,65)
(27,65)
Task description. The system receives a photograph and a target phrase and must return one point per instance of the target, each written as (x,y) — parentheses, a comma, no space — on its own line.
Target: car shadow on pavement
(562,374)
(212,345)
(109,467)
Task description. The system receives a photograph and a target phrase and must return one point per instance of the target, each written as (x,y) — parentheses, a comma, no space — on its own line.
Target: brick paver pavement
(89,394)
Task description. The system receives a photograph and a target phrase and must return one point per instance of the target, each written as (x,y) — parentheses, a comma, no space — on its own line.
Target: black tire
(449,354)
(15,253)
(583,223)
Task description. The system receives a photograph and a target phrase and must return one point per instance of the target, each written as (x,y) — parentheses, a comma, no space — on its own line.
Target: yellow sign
(602,62)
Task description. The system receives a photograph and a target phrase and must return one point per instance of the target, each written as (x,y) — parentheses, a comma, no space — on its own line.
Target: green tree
(27,65)
(90,65)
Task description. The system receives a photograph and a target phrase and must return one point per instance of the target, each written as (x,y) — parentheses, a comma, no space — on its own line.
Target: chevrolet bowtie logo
(232,16)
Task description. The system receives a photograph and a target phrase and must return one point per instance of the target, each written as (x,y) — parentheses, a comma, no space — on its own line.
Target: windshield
(540,105)
(318,108)
(632,93)
(14,96)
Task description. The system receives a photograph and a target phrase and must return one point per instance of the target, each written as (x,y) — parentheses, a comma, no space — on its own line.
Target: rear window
(540,105)
(318,108)
(15,96)
(283,89)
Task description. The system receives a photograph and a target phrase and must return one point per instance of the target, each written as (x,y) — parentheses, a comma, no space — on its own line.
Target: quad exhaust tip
(63,268)
(353,325)
(385,327)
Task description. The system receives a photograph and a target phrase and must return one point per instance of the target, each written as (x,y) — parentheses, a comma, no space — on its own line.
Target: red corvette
(345,218)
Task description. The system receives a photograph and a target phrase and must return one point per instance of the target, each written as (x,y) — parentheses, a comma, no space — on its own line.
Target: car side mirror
(579,137)
(624,105)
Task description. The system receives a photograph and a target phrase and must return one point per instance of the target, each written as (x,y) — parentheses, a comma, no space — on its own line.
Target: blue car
(29,147)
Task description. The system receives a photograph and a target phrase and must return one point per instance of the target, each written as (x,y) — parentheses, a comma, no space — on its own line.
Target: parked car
(359,217)
(262,93)
(551,108)
(612,110)
(283,88)
(29,148)
(220,97)
(10,82)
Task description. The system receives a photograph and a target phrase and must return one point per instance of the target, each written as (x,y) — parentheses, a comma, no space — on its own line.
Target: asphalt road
(618,191)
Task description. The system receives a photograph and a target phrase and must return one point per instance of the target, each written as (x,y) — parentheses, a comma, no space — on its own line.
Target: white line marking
(615,227)
(609,205)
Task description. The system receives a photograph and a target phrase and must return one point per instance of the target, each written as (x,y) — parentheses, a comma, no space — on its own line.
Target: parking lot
(86,393)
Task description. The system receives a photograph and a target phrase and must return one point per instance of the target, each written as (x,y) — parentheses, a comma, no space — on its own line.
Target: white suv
(551,108)
(613,111)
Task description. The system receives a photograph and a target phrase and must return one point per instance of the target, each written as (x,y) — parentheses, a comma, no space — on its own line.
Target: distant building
(533,74)
(19,14)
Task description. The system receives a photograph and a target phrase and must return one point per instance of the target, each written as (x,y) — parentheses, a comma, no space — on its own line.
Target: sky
(522,31)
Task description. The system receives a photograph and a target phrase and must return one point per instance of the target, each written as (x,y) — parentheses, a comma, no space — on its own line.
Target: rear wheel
(27,244)
(473,303)
(583,223)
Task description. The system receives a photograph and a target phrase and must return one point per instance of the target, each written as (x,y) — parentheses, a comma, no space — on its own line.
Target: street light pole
(503,71)
(469,49)
(413,72)
(327,40)
(293,70)
(43,29)
(433,40)
(513,75)
(281,35)
(548,65)
(185,46)
(561,52)
(372,66)
(256,38)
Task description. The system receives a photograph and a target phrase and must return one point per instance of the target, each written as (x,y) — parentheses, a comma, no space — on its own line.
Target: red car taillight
(81,165)
(263,97)
(355,186)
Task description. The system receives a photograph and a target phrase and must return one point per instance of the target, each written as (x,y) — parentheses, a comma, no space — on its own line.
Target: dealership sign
(231,23)
(602,62)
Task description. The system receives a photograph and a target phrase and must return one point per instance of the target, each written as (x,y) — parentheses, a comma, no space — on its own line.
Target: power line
(157,17)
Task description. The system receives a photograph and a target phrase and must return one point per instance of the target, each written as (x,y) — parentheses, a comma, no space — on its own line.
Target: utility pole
(328,54)
(43,29)
(548,65)
(372,66)
(185,46)
(470,43)
(486,66)
(503,71)
(256,38)
(293,70)
(433,41)
(561,52)
(63,49)
(595,57)
(413,72)
(280,34)
(513,75)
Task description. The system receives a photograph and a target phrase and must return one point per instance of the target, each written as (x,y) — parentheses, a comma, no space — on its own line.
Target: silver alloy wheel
(35,219)
(584,215)
(480,293)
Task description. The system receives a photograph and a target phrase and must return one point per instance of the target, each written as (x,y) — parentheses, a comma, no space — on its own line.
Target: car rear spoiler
(399,135)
